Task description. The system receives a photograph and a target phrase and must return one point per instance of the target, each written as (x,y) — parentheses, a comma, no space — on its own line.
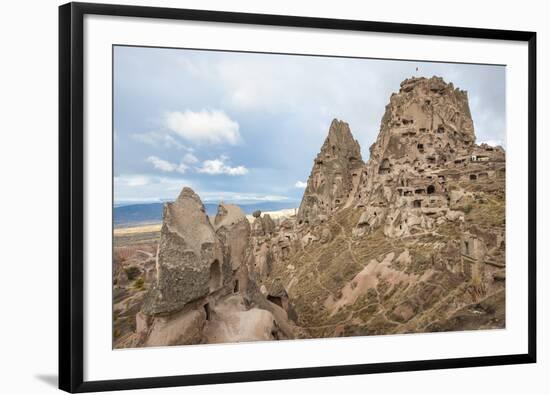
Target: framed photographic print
(251,197)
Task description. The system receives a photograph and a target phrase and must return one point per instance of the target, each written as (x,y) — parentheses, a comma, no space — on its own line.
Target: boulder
(231,322)
(180,328)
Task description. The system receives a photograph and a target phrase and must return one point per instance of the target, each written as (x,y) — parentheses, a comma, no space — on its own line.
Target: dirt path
(318,278)
(349,242)
(384,310)
(344,321)
(146,253)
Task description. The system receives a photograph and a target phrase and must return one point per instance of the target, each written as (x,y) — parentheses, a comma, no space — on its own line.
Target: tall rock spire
(335,175)
(425,125)
(426,138)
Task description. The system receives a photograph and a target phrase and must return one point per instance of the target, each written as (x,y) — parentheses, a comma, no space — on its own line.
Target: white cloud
(166,166)
(300,184)
(203,127)
(161,164)
(190,158)
(218,166)
(291,102)
(160,139)
(182,168)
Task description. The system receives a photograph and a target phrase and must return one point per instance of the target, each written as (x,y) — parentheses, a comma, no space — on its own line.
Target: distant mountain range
(151,213)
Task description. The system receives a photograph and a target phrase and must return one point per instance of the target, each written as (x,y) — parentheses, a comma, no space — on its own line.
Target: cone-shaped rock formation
(335,175)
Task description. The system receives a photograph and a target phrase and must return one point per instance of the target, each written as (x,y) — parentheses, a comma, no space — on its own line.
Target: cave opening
(275,299)
(207,311)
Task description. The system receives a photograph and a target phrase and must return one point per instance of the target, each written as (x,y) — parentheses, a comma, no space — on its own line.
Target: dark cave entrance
(384,167)
(275,299)
(466,247)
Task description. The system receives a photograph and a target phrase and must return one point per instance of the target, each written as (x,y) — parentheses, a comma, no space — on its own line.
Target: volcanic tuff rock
(233,230)
(426,137)
(263,225)
(191,260)
(426,124)
(411,241)
(419,243)
(335,175)
(202,291)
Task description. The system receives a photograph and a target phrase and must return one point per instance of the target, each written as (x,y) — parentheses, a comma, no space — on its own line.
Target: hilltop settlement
(411,241)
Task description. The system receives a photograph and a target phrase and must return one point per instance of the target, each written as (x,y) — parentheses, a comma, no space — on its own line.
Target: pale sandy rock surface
(177,329)
(232,322)
(191,261)
(233,230)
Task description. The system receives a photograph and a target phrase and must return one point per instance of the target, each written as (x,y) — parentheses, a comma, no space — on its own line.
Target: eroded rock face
(371,218)
(420,239)
(202,291)
(233,230)
(426,139)
(411,241)
(335,175)
(263,226)
(270,242)
(190,262)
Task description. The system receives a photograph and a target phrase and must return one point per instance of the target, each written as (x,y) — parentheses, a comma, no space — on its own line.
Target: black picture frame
(71,197)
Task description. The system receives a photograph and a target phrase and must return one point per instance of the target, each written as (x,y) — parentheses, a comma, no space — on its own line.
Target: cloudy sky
(246,127)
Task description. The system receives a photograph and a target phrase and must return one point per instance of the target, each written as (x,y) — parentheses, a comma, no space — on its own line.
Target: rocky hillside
(411,241)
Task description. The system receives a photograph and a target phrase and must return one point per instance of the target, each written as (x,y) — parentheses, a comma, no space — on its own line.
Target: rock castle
(410,241)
